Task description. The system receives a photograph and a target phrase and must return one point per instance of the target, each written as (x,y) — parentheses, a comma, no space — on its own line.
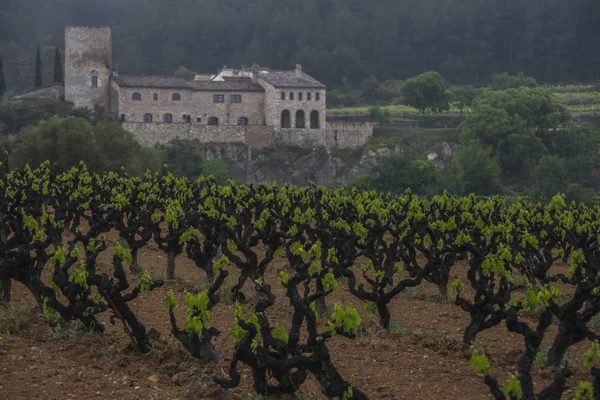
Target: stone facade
(337,135)
(254,108)
(88,66)
(199,105)
(278,99)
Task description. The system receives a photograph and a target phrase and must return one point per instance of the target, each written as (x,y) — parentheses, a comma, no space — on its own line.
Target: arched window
(176,97)
(243,121)
(94,81)
(136,96)
(155,96)
(213,121)
(314,120)
(168,118)
(285,119)
(300,119)
(147,118)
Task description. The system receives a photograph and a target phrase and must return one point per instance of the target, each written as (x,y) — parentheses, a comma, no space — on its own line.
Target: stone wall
(88,52)
(54,91)
(348,135)
(151,134)
(305,138)
(199,105)
(337,135)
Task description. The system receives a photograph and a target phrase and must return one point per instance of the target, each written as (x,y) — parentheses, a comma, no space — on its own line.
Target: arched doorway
(286,120)
(314,120)
(300,119)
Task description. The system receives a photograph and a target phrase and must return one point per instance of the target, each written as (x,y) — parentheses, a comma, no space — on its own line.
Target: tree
(182,159)
(58,69)
(578,145)
(464,96)
(505,81)
(426,92)
(396,173)
(38,69)
(185,73)
(2,81)
(63,141)
(512,123)
(473,170)
(369,88)
(119,149)
(550,178)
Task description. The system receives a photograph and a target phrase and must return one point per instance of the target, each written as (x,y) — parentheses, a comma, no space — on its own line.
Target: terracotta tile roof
(171,82)
(290,79)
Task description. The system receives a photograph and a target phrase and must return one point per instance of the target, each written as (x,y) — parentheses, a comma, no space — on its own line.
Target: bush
(396,173)
(380,114)
(473,170)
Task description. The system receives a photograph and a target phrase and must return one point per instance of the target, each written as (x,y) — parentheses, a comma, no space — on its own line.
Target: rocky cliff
(324,166)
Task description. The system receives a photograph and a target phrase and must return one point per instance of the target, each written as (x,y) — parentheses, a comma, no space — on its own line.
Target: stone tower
(88,66)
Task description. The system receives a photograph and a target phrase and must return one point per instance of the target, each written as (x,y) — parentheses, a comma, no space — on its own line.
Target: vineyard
(580,99)
(304,275)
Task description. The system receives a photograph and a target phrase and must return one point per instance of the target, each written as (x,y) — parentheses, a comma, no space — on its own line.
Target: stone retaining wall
(337,135)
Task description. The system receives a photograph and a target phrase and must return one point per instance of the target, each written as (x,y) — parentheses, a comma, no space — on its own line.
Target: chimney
(298,70)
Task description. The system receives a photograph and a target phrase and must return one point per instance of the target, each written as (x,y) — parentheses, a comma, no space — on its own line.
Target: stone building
(260,107)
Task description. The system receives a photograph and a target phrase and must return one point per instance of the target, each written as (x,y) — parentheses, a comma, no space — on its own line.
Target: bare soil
(423,357)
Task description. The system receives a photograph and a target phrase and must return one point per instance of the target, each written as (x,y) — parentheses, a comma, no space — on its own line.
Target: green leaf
(480,363)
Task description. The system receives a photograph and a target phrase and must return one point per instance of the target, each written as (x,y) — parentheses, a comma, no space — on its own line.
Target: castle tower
(88,66)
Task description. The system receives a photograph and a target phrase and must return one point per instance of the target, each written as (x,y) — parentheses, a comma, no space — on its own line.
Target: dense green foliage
(426,92)
(551,40)
(513,123)
(58,68)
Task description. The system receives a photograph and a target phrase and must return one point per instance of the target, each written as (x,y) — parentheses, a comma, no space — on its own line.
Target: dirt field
(423,358)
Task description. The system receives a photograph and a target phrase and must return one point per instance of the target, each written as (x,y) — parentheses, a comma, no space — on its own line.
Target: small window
(176,97)
(147,118)
(167,118)
(155,96)
(291,95)
(94,81)
(136,96)
(236,98)
(282,95)
(183,116)
(308,95)
(213,121)
(122,117)
(218,98)
(317,96)
(300,96)
(198,119)
(243,121)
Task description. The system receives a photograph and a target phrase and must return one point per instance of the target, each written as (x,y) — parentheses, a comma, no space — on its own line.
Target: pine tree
(58,68)
(38,69)
(2,82)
